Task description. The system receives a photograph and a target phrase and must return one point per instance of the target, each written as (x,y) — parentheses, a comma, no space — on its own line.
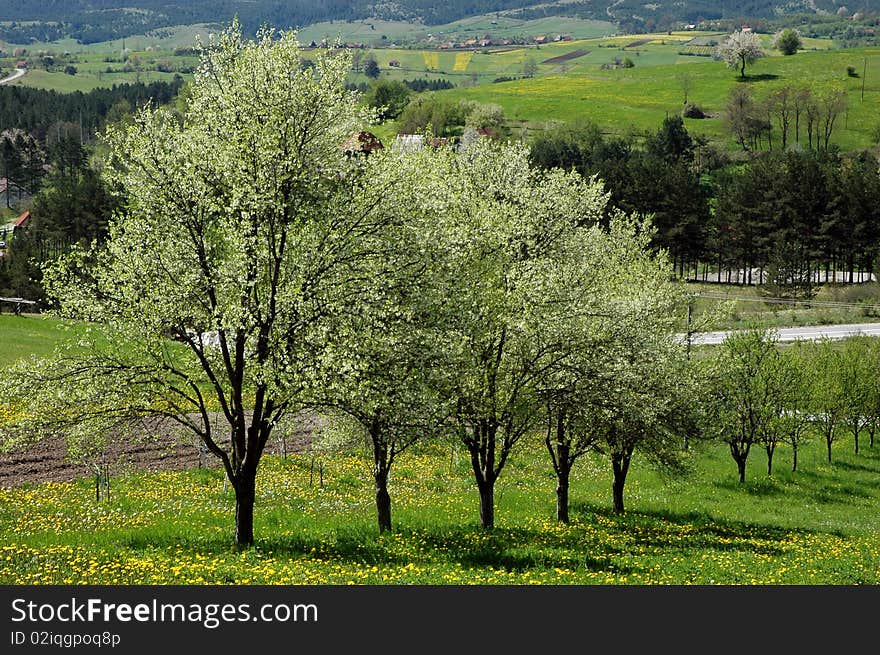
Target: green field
(181,36)
(86,81)
(638,98)
(575,79)
(816,526)
(31,334)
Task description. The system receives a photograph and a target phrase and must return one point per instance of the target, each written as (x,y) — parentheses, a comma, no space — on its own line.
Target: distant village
(465,44)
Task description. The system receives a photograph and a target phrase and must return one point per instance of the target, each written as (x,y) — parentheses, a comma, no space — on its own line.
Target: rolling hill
(90,21)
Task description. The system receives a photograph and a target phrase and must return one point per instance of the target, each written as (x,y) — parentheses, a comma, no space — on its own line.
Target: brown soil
(46,460)
(568,56)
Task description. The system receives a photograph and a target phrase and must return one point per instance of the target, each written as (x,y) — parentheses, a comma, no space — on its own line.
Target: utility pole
(688,333)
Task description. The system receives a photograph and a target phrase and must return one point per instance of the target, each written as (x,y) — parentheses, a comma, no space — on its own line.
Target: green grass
(31,334)
(87,81)
(816,526)
(638,98)
(180,36)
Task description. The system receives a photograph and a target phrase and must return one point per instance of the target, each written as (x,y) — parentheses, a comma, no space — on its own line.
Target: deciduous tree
(241,235)
(748,393)
(740,49)
(787,41)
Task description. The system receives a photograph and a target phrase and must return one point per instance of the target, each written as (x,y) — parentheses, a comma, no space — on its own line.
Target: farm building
(21,222)
(361,142)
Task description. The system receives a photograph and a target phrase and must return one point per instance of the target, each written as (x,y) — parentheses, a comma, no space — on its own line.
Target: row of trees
(38,111)
(787,116)
(253,270)
(70,205)
(763,395)
(49,158)
(438,292)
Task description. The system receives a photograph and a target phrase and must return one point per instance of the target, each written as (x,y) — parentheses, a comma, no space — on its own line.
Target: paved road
(799,333)
(18,73)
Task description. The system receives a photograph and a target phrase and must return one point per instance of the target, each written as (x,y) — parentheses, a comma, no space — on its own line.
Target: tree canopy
(240,226)
(741,49)
(787,41)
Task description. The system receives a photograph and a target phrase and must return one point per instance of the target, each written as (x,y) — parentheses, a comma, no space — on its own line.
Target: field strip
(462,59)
(568,56)
(432,60)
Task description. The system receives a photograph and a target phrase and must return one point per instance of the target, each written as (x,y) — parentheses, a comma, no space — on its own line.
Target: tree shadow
(598,540)
(761,77)
(847,466)
(764,488)
(828,492)
(514,550)
(692,531)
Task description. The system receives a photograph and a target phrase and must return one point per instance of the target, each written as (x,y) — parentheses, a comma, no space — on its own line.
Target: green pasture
(638,98)
(32,334)
(818,525)
(86,81)
(180,36)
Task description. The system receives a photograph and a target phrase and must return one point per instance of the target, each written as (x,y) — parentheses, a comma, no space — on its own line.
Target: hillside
(90,21)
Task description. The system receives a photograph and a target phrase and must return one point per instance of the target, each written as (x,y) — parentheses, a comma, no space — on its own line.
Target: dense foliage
(805,210)
(36,110)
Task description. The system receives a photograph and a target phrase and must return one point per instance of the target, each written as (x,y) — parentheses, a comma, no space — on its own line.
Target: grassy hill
(638,98)
(31,334)
(574,79)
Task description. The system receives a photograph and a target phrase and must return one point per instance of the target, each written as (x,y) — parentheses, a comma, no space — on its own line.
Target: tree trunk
(856,435)
(487,505)
(383,501)
(620,464)
(828,442)
(245,487)
(562,480)
(794,457)
(770,451)
(739,456)
(381,469)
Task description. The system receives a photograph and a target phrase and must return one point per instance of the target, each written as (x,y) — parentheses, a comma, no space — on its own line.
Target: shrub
(691,110)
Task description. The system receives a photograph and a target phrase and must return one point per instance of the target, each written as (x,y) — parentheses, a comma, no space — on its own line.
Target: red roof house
(21,221)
